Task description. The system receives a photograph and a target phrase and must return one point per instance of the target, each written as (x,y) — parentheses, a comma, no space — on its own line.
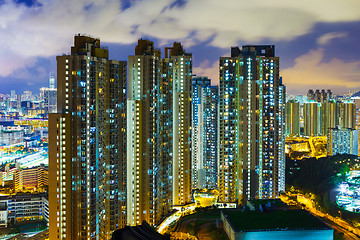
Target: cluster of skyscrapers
(323,115)
(132,139)
(29,104)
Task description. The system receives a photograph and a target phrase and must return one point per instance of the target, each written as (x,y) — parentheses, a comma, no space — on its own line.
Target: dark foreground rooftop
(273,220)
(140,232)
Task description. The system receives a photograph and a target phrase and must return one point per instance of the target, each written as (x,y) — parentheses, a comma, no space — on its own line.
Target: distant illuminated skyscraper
(49,95)
(204,134)
(19,102)
(52,81)
(348,114)
(312,119)
(27,96)
(87,156)
(319,96)
(320,117)
(329,116)
(251,122)
(292,118)
(13,95)
(342,141)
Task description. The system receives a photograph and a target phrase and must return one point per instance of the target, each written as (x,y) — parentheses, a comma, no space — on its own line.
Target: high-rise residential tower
(204,134)
(319,96)
(312,120)
(292,118)
(329,116)
(12,95)
(144,77)
(252,125)
(87,157)
(229,164)
(52,81)
(348,114)
(181,118)
(159,125)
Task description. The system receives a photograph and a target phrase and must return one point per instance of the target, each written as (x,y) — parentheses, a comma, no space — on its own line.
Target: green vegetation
(319,177)
(281,219)
(202,224)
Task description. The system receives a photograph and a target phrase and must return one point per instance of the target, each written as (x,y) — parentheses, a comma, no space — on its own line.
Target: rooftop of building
(258,50)
(279,220)
(140,232)
(41,166)
(24,196)
(269,203)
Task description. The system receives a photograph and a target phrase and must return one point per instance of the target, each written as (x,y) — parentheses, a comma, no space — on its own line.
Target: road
(41,235)
(20,236)
(342,226)
(347,235)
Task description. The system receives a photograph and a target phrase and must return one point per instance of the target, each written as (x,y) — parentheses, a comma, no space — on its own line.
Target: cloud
(310,72)
(45,29)
(208,70)
(326,38)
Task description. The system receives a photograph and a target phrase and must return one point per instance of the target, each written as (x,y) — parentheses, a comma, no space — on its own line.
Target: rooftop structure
(278,224)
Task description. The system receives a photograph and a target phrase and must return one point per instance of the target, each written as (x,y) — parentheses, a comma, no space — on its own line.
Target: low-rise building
(24,207)
(271,225)
(3,214)
(11,135)
(29,178)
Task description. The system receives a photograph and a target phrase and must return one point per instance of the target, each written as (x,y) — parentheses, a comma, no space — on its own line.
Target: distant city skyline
(318,47)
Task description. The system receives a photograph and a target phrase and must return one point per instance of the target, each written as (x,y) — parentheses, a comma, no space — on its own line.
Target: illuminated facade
(348,114)
(52,81)
(312,120)
(30,178)
(342,141)
(320,117)
(49,96)
(228,151)
(23,208)
(252,125)
(181,118)
(204,134)
(319,96)
(87,157)
(292,118)
(144,76)
(159,124)
(329,116)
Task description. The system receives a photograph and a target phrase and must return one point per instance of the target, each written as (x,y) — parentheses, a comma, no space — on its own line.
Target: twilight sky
(318,41)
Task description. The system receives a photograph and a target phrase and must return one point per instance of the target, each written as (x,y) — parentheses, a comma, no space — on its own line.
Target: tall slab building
(330,112)
(87,157)
(159,124)
(181,117)
(348,114)
(251,125)
(312,120)
(292,121)
(204,134)
(229,164)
